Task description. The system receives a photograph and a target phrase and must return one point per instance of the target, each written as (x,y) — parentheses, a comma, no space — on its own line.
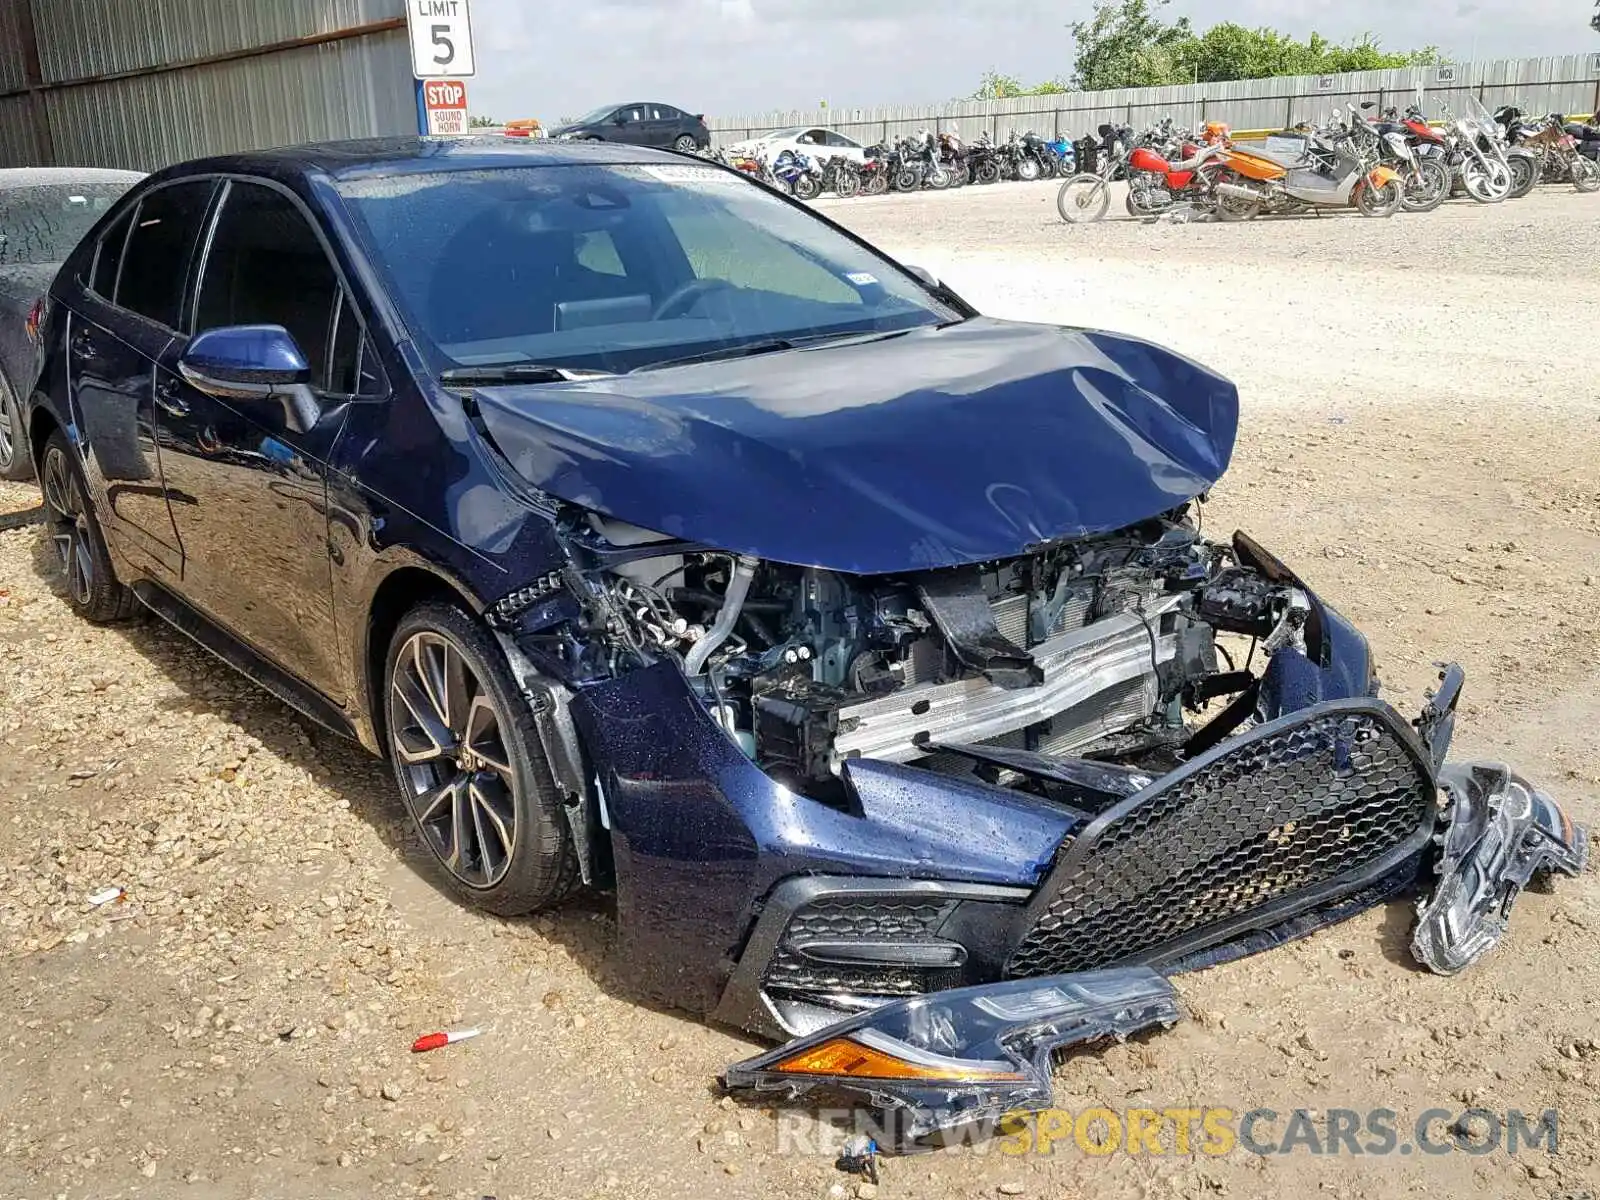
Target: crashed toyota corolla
(684,544)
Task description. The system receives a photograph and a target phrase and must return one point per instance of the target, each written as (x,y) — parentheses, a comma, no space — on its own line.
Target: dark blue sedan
(667,538)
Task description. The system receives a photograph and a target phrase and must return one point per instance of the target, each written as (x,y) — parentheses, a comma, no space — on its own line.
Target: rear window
(40,225)
(155,264)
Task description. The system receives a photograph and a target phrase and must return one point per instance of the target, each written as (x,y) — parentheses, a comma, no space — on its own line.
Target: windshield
(616,268)
(42,223)
(594,118)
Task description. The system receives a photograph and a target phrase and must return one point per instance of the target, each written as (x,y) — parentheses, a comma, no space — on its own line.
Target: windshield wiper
(768,346)
(488,376)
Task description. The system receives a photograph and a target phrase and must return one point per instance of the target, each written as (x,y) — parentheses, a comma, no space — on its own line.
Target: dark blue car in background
(668,538)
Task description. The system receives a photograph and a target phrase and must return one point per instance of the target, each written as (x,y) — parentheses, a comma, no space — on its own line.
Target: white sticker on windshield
(861,278)
(687,174)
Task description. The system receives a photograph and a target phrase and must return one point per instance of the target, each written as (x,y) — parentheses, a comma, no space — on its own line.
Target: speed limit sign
(441,38)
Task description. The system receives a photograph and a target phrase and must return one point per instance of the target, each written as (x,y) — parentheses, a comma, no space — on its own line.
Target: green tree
(1124,43)
(995,86)
(482,123)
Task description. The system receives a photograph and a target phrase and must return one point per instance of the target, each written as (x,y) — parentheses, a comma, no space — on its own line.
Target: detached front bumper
(1296,823)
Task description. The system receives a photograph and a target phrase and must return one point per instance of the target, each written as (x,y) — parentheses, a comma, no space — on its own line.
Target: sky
(737,57)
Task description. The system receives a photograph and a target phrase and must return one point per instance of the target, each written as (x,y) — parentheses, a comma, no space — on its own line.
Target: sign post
(441,56)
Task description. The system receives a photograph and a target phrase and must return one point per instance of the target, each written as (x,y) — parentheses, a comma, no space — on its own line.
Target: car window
(108,257)
(155,262)
(44,223)
(835,139)
(631,115)
(665,112)
(616,267)
(267,267)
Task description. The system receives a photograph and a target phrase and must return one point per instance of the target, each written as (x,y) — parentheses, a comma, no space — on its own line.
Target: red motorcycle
(1156,184)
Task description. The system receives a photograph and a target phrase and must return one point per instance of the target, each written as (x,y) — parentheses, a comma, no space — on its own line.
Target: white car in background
(821,144)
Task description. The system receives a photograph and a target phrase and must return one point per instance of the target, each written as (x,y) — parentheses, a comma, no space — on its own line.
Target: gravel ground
(1420,434)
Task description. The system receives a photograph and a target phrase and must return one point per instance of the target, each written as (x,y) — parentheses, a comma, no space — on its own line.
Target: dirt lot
(1421,432)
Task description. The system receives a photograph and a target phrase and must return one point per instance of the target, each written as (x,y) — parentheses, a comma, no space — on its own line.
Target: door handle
(169,402)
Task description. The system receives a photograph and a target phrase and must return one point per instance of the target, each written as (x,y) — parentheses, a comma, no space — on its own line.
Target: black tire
(987,172)
(686,144)
(806,187)
(15,463)
(474,752)
(1585,174)
(908,180)
(1524,175)
(93,589)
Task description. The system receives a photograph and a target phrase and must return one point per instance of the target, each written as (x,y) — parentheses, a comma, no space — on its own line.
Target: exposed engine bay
(1094,648)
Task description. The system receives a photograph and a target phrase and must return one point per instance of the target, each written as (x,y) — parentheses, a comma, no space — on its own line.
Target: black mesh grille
(1253,825)
(860,919)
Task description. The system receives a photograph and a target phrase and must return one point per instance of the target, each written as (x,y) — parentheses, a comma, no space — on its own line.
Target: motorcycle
(1156,184)
(797,175)
(953,156)
(881,165)
(983,161)
(1481,167)
(841,176)
(1333,170)
(1424,180)
(1559,152)
(920,165)
(1085,197)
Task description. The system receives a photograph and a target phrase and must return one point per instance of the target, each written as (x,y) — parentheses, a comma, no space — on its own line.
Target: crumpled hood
(933,448)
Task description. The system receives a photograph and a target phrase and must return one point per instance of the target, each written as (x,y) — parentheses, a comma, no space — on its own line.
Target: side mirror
(923,274)
(253,362)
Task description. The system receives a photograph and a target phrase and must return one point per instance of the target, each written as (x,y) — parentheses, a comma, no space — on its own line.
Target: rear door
(249,493)
(121,326)
(665,125)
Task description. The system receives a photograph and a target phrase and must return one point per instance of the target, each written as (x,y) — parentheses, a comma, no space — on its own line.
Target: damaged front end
(835,789)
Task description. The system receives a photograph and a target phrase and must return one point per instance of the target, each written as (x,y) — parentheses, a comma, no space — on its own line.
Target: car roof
(15,177)
(414,155)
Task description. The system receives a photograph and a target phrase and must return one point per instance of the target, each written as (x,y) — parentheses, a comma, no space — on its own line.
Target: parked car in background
(645,123)
(43,213)
(816,142)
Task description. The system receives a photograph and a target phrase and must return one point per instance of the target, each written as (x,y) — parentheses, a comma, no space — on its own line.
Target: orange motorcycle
(1328,172)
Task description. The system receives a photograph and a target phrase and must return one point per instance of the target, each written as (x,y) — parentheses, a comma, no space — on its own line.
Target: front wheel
(1028,168)
(1524,174)
(1585,174)
(1426,187)
(908,180)
(1486,182)
(987,172)
(876,184)
(847,185)
(1083,199)
(1379,201)
(806,187)
(466,757)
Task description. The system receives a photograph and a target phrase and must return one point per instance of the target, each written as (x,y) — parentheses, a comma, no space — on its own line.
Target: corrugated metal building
(143,83)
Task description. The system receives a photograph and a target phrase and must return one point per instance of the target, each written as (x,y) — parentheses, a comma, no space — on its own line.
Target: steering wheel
(685,295)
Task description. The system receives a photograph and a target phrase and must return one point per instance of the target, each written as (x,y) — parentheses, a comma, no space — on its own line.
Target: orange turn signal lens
(851,1059)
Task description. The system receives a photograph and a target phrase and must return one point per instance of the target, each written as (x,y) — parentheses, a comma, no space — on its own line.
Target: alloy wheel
(67,512)
(8,444)
(448,738)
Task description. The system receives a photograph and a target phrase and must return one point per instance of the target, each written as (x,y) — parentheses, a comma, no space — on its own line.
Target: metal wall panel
(361,87)
(12,76)
(1570,85)
(83,39)
(19,145)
